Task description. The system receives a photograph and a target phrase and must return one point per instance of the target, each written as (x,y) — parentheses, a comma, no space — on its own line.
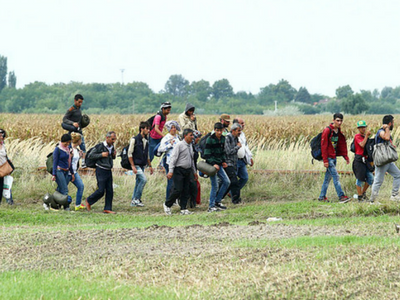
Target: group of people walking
(225,150)
(333,145)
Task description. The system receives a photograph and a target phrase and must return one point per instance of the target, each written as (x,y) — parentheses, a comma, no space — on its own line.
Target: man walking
(225,120)
(214,154)
(103,154)
(138,155)
(361,165)
(72,122)
(245,157)
(333,144)
(187,119)
(232,146)
(183,172)
(383,135)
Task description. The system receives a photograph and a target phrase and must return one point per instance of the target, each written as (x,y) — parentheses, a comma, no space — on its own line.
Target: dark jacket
(140,155)
(327,149)
(73,115)
(102,162)
(231,150)
(214,151)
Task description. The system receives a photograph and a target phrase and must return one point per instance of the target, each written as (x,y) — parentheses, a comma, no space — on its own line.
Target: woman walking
(77,154)
(167,145)
(62,166)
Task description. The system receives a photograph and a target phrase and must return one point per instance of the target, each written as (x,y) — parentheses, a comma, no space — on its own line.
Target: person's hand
(239,144)
(105,154)
(151,170)
(347,161)
(368,133)
(193,117)
(172,142)
(251,162)
(134,169)
(53,178)
(326,165)
(224,165)
(169,175)
(80,153)
(196,177)
(216,166)
(384,126)
(73,178)
(76,125)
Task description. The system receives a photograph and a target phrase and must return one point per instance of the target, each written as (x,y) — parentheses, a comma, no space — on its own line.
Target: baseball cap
(361,124)
(225,117)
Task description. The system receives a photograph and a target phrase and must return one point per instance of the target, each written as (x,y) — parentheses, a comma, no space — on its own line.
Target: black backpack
(315,145)
(368,148)
(151,119)
(353,147)
(124,158)
(90,162)
(202,144)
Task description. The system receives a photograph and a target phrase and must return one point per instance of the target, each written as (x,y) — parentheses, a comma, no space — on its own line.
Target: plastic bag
(7,184)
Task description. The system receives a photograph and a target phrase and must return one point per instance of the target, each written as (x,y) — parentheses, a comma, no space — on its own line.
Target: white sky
(318,44)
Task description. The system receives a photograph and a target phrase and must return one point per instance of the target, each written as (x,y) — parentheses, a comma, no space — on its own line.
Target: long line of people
(180,153)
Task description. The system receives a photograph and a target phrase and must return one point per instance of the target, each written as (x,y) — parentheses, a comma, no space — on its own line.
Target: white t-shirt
(75,159)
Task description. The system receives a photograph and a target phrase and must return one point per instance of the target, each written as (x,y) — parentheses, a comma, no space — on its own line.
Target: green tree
(201,90)
(12,80)
(3,72)
(303,96)
(177,86)
(354,104)
(222,89)
(344,92)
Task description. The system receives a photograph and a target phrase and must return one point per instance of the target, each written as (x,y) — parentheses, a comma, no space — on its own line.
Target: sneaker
(46,206)
(344,199)
(361,198)
(186,212)
(134,202)
(220,206)
(10,201)
(79,207)
(83,166)
(167,209)
(213,209)
(176,203)
(365,198)
(139,203)
(395,197)
(324,199)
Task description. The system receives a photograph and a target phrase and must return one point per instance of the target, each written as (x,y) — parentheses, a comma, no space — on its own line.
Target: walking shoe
(139,203)
(186,212)
(344,199)
(360,198)
(213,209)
(220,206)
(10,201)
(46,206)
(395,197)
(324,199)
(167,209)
(134,202)
(106,211)
(79,207)
(88,206)
(365,198)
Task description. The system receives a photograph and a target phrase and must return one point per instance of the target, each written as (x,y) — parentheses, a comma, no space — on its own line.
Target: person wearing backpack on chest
(364,176)
(138,155)
(383,135)
(104,154)
(333,144)
(157,127)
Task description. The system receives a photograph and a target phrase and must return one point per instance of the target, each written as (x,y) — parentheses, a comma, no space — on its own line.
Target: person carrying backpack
(138,155)
(333,144)
(103,153)
(361,170)
(157,127)
(77,181)
(383,135)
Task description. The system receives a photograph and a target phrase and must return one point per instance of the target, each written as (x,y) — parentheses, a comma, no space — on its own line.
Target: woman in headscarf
(77,153)
(167,145)
(62,166)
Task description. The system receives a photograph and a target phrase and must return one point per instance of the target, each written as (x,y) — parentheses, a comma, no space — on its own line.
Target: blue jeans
(242,173)
(80,187)
(169,182)
(392,169)
(141,181)
(215,194)
(331,172)
(62,180)
(152,144)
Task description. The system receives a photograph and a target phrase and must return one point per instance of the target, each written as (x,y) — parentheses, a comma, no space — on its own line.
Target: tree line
(216,98)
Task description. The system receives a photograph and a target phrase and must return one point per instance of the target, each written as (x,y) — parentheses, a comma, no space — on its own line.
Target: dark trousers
(181,187)
(105,185)
(193,191)
(235,184)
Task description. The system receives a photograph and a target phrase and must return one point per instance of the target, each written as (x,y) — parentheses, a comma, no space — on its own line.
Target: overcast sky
(313,43)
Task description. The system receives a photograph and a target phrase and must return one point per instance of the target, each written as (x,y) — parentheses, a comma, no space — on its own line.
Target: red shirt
(358,138)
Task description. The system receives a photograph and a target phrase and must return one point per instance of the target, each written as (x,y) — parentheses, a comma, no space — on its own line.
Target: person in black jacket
(103,154)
